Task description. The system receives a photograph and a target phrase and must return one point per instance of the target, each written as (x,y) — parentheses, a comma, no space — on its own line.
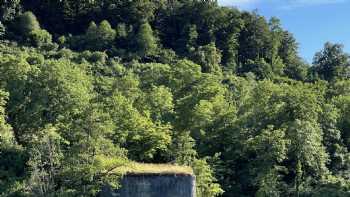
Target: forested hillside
(87,86)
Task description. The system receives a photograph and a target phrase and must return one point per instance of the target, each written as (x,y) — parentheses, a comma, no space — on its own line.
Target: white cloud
(238,3)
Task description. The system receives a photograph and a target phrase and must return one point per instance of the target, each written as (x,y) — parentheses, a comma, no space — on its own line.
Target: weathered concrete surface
(154,186)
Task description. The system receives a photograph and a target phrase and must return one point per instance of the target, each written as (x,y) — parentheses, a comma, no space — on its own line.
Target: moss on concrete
(154,169)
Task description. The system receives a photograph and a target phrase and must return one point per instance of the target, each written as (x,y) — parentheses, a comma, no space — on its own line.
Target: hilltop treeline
(88,86)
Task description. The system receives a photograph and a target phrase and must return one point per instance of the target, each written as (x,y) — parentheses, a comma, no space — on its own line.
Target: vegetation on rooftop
(161,169)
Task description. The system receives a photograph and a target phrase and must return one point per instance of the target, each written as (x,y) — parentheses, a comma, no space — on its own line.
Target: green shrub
(2,30)
(99,37)
(49,46)
(98,57)
(61,40)
(39,37)
(27,23)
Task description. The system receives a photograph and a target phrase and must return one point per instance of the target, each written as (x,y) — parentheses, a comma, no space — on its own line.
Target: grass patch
(155,169)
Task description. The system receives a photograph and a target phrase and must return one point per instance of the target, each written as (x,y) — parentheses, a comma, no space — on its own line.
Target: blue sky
(313,22)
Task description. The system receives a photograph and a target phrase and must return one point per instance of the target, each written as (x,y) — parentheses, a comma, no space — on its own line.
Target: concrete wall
(154,186)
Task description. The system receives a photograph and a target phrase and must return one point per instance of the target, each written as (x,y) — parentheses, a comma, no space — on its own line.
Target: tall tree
(27,23)
(145,40)
(209,57)
(12,156)
(332,62)
(99,37)
(295,67)
(254,39)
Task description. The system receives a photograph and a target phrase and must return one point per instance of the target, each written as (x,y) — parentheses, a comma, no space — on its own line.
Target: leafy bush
(2,30)
(62,40)
(27,23)
(39,37)
(99,37)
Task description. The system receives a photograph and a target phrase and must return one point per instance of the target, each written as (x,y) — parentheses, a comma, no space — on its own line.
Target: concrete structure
(154,185)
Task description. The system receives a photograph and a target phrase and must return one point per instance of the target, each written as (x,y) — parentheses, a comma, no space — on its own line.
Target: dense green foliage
(88,86)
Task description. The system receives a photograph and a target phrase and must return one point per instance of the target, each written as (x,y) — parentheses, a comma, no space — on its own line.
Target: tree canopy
(86,87)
